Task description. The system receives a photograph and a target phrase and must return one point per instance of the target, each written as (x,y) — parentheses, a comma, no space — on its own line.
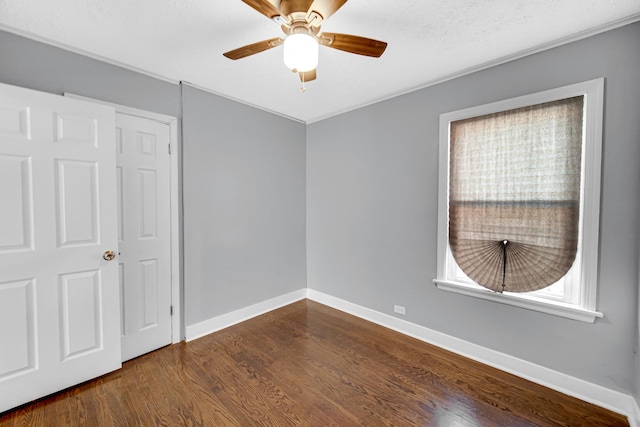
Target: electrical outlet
(399,309)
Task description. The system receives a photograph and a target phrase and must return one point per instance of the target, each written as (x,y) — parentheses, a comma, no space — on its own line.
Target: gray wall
(372,183)
(244,205)
(38,66)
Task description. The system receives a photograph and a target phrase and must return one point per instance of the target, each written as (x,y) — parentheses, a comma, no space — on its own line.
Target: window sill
(550,307)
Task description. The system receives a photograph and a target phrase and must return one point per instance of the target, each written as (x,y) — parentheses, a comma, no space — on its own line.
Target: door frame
(175,147)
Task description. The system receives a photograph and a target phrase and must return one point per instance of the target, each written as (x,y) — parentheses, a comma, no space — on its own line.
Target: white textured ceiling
(183,40)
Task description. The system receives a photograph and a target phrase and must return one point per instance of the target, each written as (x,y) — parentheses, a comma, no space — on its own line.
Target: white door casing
(59,298)
(144,233)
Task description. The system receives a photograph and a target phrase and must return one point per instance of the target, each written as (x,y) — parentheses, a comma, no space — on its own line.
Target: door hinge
(169,145)
(170,310)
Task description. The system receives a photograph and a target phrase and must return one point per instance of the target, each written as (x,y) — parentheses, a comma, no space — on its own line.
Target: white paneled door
(59,297)
(144,233)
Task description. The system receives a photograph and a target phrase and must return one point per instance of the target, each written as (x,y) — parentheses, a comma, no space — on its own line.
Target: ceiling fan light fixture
(300,52)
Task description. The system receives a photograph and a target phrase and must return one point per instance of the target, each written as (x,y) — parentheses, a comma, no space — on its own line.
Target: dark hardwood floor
(308,365)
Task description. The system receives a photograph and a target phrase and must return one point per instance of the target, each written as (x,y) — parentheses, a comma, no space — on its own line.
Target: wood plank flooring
(308,365)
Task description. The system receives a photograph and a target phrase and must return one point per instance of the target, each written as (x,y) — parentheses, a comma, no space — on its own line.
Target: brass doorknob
(109,255)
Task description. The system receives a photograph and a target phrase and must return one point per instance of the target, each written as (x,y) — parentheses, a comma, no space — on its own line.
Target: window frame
(585,307)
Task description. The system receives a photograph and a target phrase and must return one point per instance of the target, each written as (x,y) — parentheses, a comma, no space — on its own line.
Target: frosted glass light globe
(300,52)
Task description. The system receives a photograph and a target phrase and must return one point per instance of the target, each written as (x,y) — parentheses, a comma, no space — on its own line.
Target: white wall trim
(634,415)
(544,306)
(177,323)
(229,319)
(589,392)
(240,101)
(74,49)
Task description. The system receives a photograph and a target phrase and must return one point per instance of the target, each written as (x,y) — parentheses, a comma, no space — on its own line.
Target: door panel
(77,198)
(59,299)
(15,194)
(144,230)
(80,312)
(17,309)
(75,130)
(149,293)
(147,203)
(15,121)
(120,202)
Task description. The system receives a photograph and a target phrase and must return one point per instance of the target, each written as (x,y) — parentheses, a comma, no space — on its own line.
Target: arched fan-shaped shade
(517,248)
(514,196)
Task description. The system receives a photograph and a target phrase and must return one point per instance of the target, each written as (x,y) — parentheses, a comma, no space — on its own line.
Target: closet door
(59,295)
(144,233)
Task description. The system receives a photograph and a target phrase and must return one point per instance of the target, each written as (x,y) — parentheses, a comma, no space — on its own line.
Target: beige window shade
(514,194)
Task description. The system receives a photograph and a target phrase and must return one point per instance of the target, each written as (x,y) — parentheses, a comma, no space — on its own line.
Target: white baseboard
(589,392)
(217,323)
(634,415)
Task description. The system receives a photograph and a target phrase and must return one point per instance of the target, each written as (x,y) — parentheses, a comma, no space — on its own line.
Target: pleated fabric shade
(514,195)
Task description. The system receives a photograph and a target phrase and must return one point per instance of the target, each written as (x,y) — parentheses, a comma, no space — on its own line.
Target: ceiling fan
(300,20)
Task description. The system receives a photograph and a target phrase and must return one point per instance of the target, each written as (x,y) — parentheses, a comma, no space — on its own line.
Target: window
(519,196)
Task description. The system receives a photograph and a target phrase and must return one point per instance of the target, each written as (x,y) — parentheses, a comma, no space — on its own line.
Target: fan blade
(325,8)
(307,76)
(353,44)
(251,49)
(265,7)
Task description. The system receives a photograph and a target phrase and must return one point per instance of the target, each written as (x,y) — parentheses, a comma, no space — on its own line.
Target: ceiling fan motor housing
(301,27)
(303,18)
